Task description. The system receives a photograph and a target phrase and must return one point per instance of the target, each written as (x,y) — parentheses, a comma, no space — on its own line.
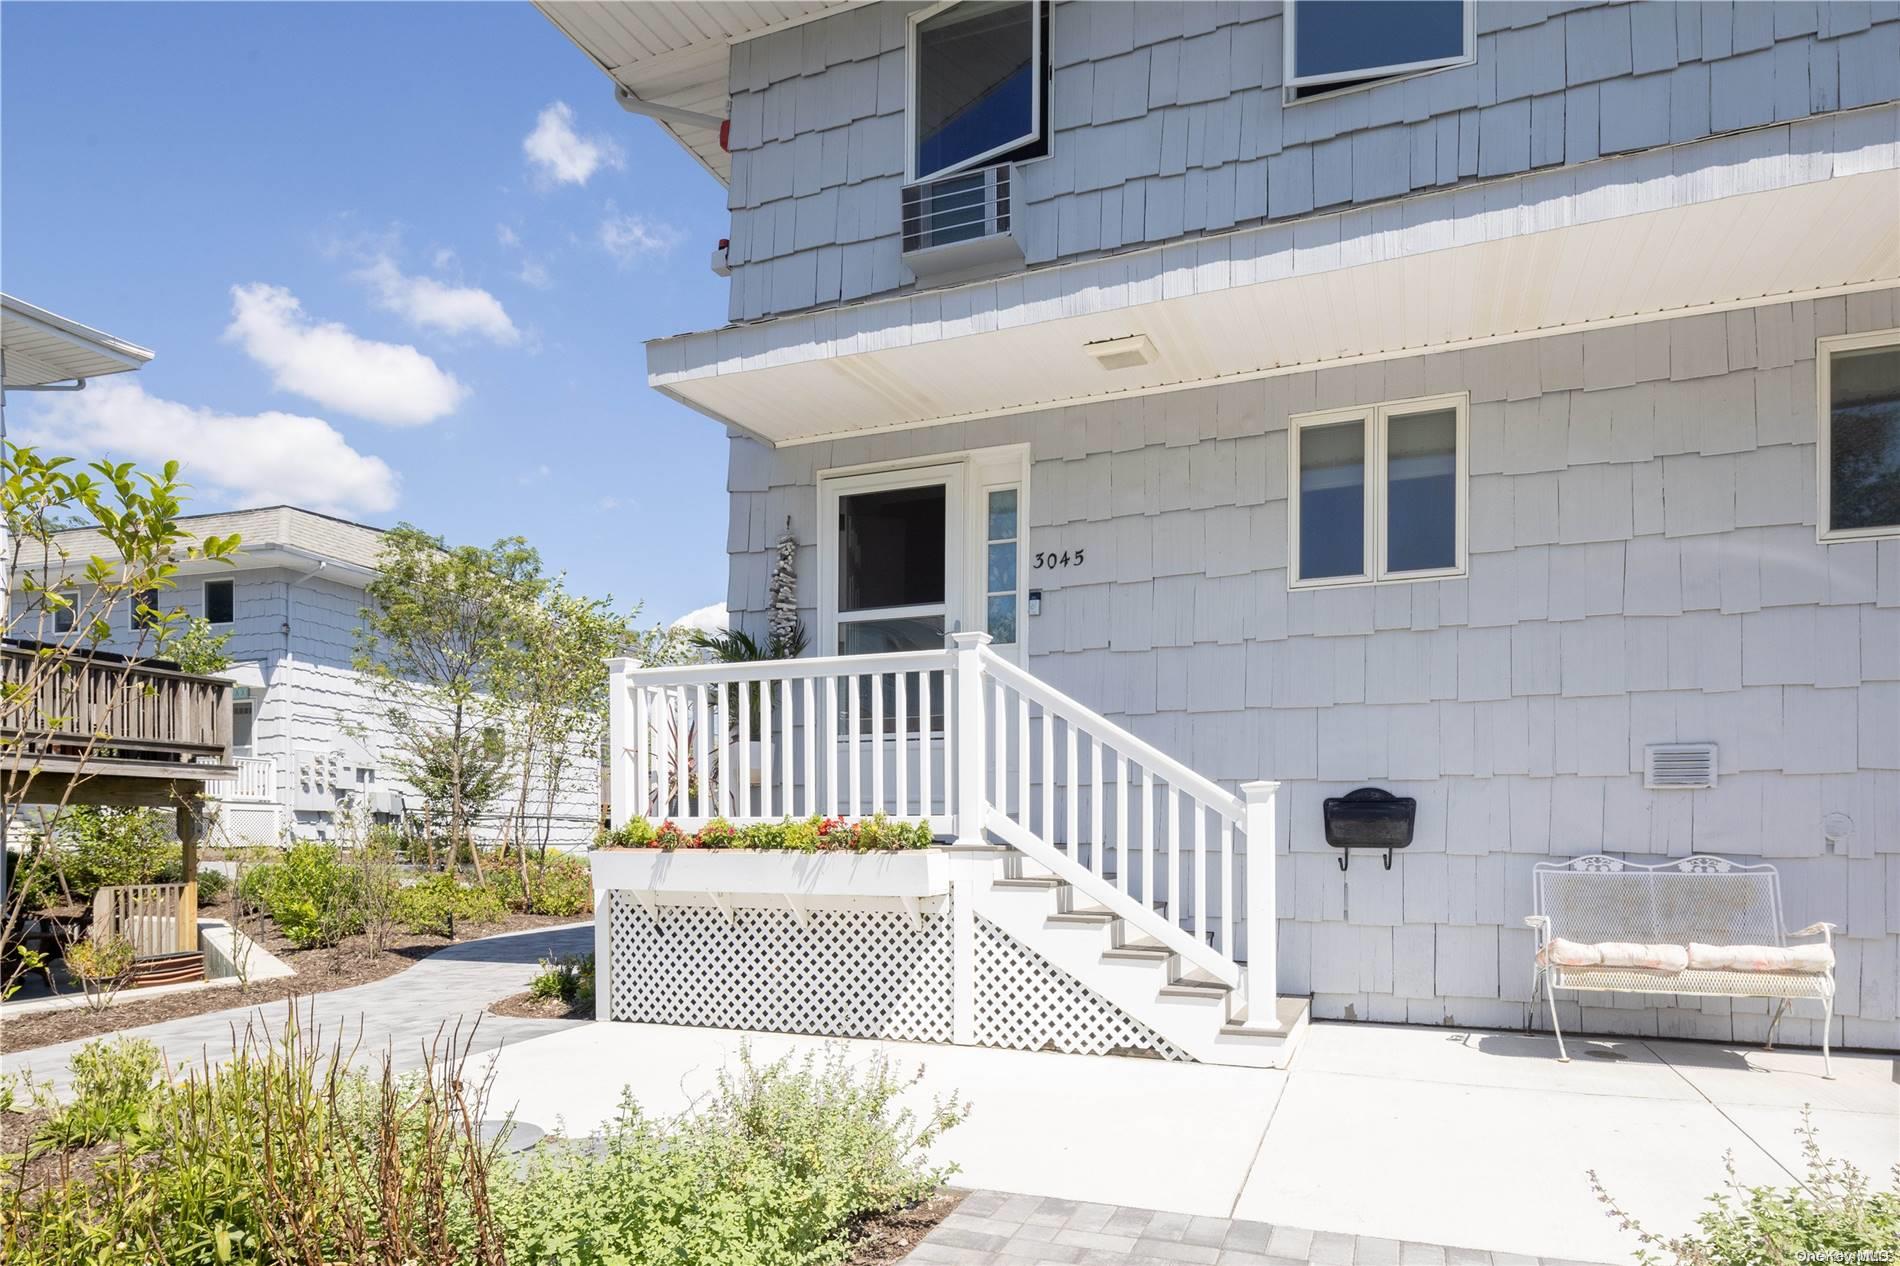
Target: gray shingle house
(1463,400)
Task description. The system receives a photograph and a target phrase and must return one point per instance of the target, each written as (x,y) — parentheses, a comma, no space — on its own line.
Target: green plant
(774,1171)
(114,1082)
(195,648)
(212,884)
(433,906)
(1833,1216)
(567,977)
(101,965)
(98,847)
(313,895)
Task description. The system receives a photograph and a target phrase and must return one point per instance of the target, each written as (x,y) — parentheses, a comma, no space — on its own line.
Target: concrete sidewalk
(400,1014)
(1433,1136)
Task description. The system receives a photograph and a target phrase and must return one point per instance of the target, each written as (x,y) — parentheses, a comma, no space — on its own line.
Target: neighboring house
(1459,400)
(308,730)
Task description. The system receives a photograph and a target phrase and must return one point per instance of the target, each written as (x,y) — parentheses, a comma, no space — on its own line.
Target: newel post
(969,730)
(1263,910)
(620,737)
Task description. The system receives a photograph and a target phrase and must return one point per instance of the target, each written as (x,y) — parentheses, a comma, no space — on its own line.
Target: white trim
(1824,349)
(831,490)
(1354,79)
(1377,420)
(1037,71)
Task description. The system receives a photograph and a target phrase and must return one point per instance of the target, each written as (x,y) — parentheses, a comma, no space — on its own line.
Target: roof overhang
(671,60)
(43,348)
(1782,212)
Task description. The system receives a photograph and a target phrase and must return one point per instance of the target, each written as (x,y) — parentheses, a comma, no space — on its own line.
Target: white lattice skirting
(1024,1001)
(851,973)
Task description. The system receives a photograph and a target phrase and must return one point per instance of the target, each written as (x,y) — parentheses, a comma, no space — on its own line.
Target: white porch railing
(256,780)
(981,749)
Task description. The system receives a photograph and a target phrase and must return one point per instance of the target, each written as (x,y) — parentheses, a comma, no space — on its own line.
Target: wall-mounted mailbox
(1370,817)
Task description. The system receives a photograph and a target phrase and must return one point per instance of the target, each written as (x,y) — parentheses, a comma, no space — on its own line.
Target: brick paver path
(991,1228)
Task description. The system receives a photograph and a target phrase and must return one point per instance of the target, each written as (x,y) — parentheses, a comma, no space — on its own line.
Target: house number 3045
(1046,559)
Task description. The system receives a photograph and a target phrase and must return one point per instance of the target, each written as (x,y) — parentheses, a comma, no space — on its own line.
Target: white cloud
(709,619)
(385,382)
(259,459)
(563,156)
(507,236)
(628,237)
(534,273)
(426,302)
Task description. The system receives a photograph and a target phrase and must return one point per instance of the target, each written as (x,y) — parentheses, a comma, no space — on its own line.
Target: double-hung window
(1859,449)
(1335,45)
(220,601)
(1377,493)
(145,613)
(976,85)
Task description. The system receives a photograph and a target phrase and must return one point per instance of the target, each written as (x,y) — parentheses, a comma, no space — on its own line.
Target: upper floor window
(220,601)
(976,85)
(1378,493)
(1860,435)
(1333,45)
(145,612)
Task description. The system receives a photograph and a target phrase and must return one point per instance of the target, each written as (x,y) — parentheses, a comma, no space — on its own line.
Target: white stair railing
(256,780)
(980,748)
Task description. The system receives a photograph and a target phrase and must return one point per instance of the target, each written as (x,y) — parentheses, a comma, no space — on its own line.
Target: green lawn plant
(436,906)
(313,895)
(1834,1215)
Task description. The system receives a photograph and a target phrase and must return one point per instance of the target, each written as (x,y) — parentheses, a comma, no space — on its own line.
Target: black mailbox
(1370,817)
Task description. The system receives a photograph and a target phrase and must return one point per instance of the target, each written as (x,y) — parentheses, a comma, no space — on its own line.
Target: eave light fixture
(1122,353)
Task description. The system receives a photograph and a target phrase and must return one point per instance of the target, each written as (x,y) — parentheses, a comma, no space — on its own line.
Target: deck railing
(984,751)
(133,710)
(256,781)
(157,919)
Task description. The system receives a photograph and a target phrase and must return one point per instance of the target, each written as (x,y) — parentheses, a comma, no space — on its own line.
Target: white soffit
(43,347)
(1723,222)
(675,54)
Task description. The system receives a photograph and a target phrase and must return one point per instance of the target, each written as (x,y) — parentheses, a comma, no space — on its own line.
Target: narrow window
(976,80)
(1335,45)
(65,614)
(1378,493)
(1001,553)
(145,612)
(243,722)
(1860,435)
(220,601)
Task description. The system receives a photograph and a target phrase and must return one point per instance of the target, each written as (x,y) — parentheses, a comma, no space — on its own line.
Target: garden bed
(525,1006)
(354,962)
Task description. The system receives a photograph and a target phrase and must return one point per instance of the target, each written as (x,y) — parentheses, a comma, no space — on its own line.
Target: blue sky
(369,291)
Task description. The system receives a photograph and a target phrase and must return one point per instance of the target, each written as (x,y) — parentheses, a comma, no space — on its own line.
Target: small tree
(437,628)
(65,612)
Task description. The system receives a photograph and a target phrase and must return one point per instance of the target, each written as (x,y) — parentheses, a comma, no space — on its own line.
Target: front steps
(1203,1018)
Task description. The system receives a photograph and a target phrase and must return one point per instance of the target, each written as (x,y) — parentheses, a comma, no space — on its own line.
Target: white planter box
(921,872)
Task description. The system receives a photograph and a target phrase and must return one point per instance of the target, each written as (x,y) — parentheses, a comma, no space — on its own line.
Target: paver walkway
(992,1228)
(401,1014)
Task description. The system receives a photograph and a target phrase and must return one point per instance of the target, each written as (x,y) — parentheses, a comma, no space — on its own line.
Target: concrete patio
(1435,1136)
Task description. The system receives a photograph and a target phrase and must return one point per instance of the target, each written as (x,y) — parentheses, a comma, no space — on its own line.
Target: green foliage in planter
(1835,1215)
(313,895)
(772,1173)
(433,906)
(875,834)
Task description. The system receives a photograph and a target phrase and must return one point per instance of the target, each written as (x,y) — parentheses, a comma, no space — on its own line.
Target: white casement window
(1859,449)
(1336,45)
(1377,493)
(220,598)
(975,85)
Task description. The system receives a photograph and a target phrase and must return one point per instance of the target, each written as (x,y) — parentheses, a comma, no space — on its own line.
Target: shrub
(101,847)
(433,906)
(559,883)
(312,895)
(1833,1216)
(567,977)
(101,965)
(113,1086)
(775,1170)
(212,884)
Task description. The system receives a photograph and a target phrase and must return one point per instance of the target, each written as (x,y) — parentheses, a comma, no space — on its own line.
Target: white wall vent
(1668,765)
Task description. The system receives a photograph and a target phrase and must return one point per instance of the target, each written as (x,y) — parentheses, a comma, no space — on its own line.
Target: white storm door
(892,550)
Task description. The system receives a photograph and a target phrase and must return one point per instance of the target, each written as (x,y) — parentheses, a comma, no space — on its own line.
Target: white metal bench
(1703,899)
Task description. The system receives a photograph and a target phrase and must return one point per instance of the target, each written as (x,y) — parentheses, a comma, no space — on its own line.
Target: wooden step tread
(1082,916)
(1043,882)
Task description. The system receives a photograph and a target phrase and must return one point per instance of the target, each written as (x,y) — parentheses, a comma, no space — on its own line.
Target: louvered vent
(1667,765)
(959,226)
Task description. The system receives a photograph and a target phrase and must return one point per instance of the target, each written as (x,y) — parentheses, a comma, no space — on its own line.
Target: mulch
(354,962)
(525,1006)
(886,1238)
